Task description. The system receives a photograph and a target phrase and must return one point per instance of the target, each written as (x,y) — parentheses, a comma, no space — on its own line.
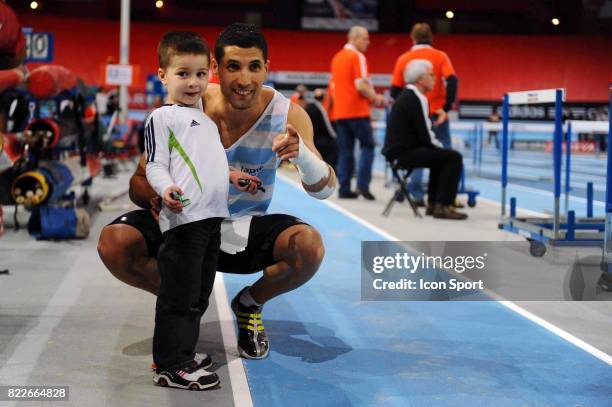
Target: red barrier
(49,80)
(487,65)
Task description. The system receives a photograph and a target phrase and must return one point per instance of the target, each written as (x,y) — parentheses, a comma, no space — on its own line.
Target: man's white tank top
(253,154)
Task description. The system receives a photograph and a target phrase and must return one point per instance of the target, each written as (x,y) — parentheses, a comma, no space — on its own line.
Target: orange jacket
(348,67)
(442,68)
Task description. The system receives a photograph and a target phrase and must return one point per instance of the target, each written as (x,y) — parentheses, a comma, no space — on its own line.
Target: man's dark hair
(178,43)
(243,36)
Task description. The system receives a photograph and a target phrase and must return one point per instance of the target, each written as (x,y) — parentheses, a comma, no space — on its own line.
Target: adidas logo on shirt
(194,123)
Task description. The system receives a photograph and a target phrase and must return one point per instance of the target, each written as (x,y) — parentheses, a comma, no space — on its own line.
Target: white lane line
(599,354)
(519,210)
(559,332)
(529,189)
(237,374)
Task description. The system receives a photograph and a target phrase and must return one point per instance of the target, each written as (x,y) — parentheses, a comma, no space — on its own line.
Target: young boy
(187,167)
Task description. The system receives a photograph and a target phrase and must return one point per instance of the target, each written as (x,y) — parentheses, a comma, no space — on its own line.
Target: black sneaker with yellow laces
(252,339)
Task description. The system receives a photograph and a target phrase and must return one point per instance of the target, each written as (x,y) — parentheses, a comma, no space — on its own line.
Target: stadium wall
(487,66)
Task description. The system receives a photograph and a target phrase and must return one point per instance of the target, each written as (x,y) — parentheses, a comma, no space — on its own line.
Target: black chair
(401,176)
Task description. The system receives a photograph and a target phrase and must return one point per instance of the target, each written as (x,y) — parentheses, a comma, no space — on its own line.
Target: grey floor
(64,320)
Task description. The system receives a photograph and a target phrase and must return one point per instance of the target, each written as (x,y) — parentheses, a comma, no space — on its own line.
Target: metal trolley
(560,230)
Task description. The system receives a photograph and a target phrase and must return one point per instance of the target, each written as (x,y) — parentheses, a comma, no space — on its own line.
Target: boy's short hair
(241,35)
(181,42)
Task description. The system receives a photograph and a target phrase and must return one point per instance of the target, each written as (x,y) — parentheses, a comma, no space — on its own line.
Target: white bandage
(325,193)
(312,170)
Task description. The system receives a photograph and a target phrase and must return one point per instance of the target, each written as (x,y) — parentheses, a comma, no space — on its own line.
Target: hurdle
(577,126)
(475,138)
(561,231)
(513,129)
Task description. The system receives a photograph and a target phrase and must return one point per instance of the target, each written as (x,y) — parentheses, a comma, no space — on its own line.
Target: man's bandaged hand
(287,145)
(314,172)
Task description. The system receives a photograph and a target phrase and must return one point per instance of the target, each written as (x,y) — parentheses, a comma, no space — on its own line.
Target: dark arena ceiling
(470,16)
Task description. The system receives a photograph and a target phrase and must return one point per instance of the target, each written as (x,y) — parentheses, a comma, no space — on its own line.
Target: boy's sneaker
(252,339)
(202,359)
(190,377)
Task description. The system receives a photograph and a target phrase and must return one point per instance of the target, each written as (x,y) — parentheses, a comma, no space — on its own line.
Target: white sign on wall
(119,74)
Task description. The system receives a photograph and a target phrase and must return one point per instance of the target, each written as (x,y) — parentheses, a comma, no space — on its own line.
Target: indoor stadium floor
(67,321)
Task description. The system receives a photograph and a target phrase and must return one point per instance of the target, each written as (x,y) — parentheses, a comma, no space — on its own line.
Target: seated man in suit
(411,142)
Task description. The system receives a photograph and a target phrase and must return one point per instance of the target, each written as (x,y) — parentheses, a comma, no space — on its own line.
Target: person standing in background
(325,138)
(299,96)
(441,98)
(494,117)
(352,95)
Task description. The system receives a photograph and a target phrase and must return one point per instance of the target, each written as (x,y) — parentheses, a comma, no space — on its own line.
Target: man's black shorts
(258,254)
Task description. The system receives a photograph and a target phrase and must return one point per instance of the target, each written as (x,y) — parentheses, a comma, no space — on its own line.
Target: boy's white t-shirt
(183,147)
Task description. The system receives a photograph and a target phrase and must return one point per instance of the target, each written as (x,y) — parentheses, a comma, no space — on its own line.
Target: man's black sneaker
(252,339)
(605,281)
(190,377)
(348,195)
(202,359)
(367,194)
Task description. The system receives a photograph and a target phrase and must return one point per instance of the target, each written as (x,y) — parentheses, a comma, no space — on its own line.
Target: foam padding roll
(49,80)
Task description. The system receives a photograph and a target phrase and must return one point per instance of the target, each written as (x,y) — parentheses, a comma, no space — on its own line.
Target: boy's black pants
(187,263)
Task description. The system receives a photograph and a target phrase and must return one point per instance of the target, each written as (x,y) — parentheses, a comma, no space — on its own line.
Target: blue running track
(330,349)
